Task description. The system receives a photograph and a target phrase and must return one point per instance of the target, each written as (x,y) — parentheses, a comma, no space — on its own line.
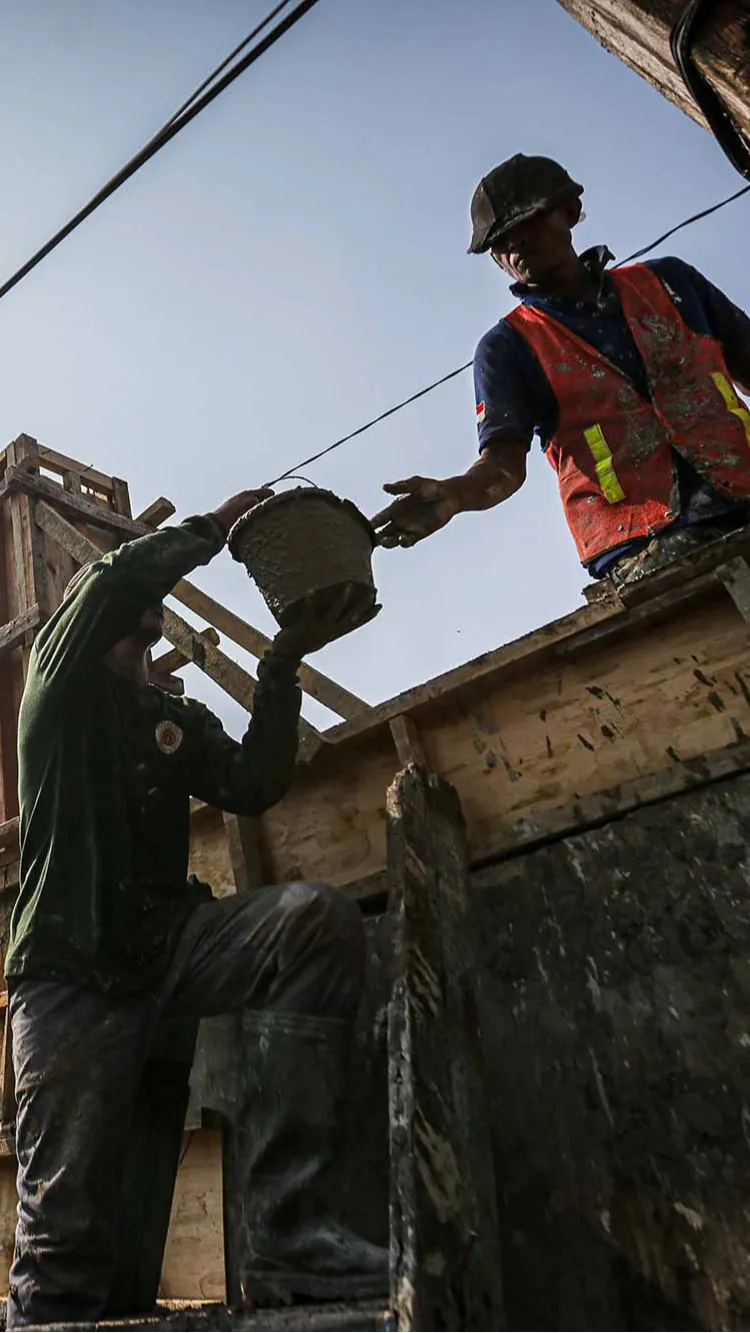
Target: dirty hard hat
(514,192)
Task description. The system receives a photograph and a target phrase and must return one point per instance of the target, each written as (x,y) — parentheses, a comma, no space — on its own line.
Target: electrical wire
(196,103)
(706,212)
(305,462)
(270,16)
(313,458)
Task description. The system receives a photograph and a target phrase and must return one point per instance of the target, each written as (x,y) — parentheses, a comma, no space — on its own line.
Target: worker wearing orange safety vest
(628,376)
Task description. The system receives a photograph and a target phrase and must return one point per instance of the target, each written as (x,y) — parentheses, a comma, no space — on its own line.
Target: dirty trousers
(80,1055)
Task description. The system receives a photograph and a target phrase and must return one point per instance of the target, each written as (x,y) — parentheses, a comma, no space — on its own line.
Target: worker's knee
(322,917)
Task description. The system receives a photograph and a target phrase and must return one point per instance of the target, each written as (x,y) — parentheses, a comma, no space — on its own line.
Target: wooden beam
(445,1246)
(408,741)
(735,576)
(637,32)
(9,832)
(16,630)
(98,481)
(314,683)
(156,513)
(71,505)
(174,659)
(657,596)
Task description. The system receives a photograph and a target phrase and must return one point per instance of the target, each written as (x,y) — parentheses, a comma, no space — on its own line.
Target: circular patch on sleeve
(168,737)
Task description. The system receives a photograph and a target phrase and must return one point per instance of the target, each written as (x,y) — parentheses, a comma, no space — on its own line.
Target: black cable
(270,16)
(729,137)
(361,429)
(460,369)
(706,212)
(162,137)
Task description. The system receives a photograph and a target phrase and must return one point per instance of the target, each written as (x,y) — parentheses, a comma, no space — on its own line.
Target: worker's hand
(234,508)
(423,507)
(321,620)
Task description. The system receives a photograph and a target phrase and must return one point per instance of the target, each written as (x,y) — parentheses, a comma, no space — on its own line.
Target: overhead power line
(206,93)
(313,458)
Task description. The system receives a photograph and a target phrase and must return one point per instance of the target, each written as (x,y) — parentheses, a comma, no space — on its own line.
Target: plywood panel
(209,851)
(515,745)
(194,1258)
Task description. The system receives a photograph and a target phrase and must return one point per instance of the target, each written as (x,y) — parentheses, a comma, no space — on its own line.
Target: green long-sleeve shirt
(107,769)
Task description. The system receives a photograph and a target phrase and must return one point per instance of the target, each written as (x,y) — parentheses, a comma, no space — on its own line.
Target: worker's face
(534,251)
(151,624)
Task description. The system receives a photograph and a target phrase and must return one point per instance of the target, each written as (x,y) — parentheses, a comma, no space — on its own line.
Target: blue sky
(295,262)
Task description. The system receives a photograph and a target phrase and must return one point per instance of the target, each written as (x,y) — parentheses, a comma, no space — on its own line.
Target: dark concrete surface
(615,1003)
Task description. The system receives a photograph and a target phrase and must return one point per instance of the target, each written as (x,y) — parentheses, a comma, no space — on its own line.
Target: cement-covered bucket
(305,541)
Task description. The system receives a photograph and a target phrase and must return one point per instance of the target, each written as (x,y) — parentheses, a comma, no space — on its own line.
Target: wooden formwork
(626,701)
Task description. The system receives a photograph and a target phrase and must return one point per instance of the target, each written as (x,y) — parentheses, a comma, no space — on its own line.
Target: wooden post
(638,32)
(24,601)
(445,1250)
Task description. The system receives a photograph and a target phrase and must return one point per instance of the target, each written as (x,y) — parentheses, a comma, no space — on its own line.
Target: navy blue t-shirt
(515,400)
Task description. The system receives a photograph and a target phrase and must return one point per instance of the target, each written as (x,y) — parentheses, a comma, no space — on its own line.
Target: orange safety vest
(613,450)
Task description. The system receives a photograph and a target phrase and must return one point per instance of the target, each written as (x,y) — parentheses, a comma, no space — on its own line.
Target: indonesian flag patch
(480,412)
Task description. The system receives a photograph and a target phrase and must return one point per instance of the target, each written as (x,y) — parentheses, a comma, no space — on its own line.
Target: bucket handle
(292,476)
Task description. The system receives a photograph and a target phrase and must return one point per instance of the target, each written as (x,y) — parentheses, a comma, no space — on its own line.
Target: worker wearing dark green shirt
(115,955)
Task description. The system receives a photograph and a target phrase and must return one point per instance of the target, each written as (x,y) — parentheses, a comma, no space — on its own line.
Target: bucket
(305,541)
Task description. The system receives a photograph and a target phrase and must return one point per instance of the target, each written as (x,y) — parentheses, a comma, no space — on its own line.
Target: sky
(294,263)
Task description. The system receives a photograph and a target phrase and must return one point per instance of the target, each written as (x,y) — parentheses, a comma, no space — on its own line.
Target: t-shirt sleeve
(509,405)
(729,324)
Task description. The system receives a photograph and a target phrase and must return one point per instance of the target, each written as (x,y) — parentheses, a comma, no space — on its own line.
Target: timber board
(518,743)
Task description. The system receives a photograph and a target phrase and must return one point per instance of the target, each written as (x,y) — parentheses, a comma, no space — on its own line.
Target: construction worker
(115,955)
(627,376)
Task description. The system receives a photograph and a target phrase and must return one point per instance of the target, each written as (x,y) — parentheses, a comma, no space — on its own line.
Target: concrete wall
(615,991)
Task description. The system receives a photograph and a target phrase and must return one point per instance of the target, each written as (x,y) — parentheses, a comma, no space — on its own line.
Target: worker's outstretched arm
(250,776)
(425,505)
(108,601)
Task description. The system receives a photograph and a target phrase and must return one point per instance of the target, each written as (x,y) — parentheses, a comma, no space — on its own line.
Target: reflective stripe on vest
(605,468)
(733,403)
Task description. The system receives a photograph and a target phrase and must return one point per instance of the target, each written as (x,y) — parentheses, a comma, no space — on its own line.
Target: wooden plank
(9,832)
(98,481)
(72,506)
(210,853)
(26,585)
(193,1266)
(238,683)
(314,683)
(580,814)
(408,741)
(445,1246)
(245,844)
(121,497)
(519,654)
(517,744)
(156,513)
(637,31)
(174,659)
(735,576)
(16,630)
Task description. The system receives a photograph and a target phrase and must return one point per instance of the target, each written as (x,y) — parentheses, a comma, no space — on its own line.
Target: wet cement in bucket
(305,541)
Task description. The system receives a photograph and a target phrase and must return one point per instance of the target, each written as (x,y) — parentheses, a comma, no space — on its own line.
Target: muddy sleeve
(107,603)
(513,396)
(249,776)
